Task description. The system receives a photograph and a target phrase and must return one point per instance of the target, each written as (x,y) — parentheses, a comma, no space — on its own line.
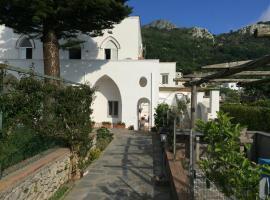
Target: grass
(61,192)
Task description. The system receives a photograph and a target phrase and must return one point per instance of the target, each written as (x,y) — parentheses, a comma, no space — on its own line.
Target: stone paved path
(124,171)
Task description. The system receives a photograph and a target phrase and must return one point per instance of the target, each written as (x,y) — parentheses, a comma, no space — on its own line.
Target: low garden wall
(38,180)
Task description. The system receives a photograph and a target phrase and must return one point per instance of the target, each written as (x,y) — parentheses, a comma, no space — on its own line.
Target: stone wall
(38,180)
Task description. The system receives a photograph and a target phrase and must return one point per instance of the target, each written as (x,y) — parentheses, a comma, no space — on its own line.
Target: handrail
(31,72)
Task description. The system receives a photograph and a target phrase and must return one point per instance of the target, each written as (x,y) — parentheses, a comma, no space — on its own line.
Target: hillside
(195,47)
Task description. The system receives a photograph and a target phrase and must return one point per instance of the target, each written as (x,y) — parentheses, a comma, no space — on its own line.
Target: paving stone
(124,171)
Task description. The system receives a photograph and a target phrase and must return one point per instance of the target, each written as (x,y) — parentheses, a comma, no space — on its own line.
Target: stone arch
(144,113)
(25,42)
(110,47)
(107,94)
(111,40)
(25,47)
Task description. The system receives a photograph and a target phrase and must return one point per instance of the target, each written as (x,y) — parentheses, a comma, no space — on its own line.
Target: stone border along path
(124,171)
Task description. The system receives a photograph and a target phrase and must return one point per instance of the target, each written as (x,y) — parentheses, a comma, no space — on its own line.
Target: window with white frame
(25,48)
(165,78)
(113,108)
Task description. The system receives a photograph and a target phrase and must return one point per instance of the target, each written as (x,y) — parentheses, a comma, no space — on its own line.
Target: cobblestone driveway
(124,171)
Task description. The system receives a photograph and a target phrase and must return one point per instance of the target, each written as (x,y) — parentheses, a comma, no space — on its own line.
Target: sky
(218,16)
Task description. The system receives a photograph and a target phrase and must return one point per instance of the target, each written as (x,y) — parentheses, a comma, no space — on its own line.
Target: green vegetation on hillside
(178,45)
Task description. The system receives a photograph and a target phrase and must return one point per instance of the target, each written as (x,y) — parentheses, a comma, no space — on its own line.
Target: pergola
(241,72)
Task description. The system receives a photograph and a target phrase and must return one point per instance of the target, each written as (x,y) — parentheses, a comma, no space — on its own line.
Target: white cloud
(265,15)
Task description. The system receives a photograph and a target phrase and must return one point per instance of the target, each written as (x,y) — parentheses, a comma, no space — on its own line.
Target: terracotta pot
(119,126)
(107,125)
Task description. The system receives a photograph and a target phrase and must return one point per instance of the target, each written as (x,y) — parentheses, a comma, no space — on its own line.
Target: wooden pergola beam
(232,71)
(254,83)
(225,65)
(244,73)
(228,80)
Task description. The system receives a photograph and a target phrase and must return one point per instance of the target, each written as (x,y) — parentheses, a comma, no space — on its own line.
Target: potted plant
(107,124)
(119,125)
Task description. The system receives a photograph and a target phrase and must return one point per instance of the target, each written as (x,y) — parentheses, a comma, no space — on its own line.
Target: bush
(254,117)
(231,96)
(161,114)
(103,133)
(49,110)
(104,137)
(224,163)
(23,144)
(94,154)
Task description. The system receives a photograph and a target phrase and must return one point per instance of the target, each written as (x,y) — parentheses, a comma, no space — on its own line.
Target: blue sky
(218,16)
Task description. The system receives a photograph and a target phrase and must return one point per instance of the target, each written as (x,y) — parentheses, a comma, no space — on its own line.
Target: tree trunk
(51,54)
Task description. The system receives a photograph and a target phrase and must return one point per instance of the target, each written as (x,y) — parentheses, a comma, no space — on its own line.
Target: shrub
(104,137)
(58,112)
(161,114)
(94,154)
(23,144)
(103,133)
(254,117)
(231,96)
(131,127)
(224,163)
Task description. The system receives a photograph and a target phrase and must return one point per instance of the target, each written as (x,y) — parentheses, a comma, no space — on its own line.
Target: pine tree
(52,20)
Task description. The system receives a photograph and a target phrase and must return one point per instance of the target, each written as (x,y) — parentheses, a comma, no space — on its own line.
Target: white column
(214,103)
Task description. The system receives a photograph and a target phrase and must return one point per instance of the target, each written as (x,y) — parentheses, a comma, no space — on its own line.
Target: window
(25,48)
(113,108)
(165,78)
(75,53)
(110,47)
(108,54)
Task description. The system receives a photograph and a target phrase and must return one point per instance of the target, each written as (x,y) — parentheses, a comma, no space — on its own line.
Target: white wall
(127,34)
(126,75)
(170,69)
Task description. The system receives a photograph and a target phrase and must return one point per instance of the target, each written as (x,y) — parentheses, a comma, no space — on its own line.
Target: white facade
(232,86)
(128,87)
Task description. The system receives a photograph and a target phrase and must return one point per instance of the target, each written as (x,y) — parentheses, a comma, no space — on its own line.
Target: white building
(128,86)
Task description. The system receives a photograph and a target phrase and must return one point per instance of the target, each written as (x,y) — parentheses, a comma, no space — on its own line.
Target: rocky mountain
(251,28)
(194,47)
(161,24)
(198,32)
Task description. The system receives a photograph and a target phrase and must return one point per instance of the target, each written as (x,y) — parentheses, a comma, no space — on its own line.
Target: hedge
(254,117)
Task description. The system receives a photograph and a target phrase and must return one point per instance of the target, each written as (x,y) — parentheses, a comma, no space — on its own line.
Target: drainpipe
(151,104)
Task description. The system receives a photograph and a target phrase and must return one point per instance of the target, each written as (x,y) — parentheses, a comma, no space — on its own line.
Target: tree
(51,20)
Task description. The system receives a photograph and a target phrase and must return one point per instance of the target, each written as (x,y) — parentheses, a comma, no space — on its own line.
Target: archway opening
(107,106)
(144,114)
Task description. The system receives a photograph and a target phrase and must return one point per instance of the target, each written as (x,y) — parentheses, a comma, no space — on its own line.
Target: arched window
(110,47)
(25,46)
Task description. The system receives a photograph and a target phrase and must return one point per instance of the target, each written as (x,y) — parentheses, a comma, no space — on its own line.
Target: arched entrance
(144,114)
(107,105)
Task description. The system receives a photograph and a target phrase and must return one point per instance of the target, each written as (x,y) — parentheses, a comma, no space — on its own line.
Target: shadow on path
(124,171)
